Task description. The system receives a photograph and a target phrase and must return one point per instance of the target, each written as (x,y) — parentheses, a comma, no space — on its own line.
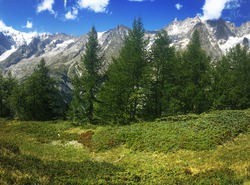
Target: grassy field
(211,148)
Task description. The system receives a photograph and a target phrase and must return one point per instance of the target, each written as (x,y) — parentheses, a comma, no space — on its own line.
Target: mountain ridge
(20,52)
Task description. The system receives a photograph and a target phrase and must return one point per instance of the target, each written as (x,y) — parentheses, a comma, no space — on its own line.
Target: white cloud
(233,4)
(65,3)
(45,5)
(212,9)
(72,15)
(29,25)
(178,6)
(94,5)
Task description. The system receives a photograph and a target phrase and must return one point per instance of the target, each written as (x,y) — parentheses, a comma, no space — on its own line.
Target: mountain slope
(61,51)
(20,52)
(217,36)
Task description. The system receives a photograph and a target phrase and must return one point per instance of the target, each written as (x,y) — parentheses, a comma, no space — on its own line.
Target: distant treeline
(139,84)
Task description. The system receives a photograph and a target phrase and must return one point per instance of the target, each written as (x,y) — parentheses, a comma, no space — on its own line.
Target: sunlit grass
(48,152)
(234,155)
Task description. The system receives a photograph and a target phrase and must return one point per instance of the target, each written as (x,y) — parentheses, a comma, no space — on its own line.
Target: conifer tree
(37,96)
(2,96)
(124,93)
(88,82)
(232,80)
(196,77)
(163,74)
(7,84)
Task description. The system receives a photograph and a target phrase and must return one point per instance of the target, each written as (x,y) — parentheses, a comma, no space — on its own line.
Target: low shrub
(203,132)
(223,176)
(45,132)
(31,170)
(9,147)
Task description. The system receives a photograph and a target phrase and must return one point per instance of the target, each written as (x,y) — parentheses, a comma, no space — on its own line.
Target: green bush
(45,132)
(191,132)
(22,160)
(31,170)
(9,147)
(215,176)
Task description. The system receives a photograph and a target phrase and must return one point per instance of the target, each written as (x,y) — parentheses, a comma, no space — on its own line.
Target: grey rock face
(21,52)
(5,43)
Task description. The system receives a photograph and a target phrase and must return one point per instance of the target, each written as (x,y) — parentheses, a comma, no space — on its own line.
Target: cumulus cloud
(72,15)
(212,9)
(45,5)
(178,6)
(28,25)
(98,6)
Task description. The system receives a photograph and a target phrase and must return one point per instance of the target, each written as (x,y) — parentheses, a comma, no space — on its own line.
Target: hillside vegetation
(139,84)
(211,148)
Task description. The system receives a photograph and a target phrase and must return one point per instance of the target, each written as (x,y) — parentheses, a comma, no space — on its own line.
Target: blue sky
(77,16)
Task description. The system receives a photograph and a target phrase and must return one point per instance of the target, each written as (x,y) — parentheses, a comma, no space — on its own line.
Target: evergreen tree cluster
(7,84)
(144,84)
(36,98)
(141,83)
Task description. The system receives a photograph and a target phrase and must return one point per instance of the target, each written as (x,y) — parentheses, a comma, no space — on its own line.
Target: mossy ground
(212,148)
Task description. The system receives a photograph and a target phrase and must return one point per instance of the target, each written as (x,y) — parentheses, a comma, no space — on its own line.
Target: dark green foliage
(195,78)
(214,176)
(232,80)
(172,82)
(163,77)
(87,84)
(189,132)
(181,82)
(124,93)
(140,83)
(7,84)
(37,98)
(7,147)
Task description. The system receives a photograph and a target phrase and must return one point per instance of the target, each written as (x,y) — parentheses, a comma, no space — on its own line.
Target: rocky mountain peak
(121,29)
(20,52)
(222,29)
(244,29)
(5,43)
(245,41)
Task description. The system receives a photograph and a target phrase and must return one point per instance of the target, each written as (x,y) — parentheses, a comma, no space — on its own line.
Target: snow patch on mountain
(100,34)
(7,53)
(20,38)
(62,51)
(232,41)
(101,37)
(178,28)
(65,43)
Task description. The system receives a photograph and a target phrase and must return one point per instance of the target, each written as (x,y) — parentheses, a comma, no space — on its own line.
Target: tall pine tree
(123,95)
(37,97)
(163,75)
(87,83)
(7,84)
(232,80)
(196,77)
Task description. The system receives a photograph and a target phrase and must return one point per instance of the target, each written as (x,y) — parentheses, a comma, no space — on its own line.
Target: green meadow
(210,148)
